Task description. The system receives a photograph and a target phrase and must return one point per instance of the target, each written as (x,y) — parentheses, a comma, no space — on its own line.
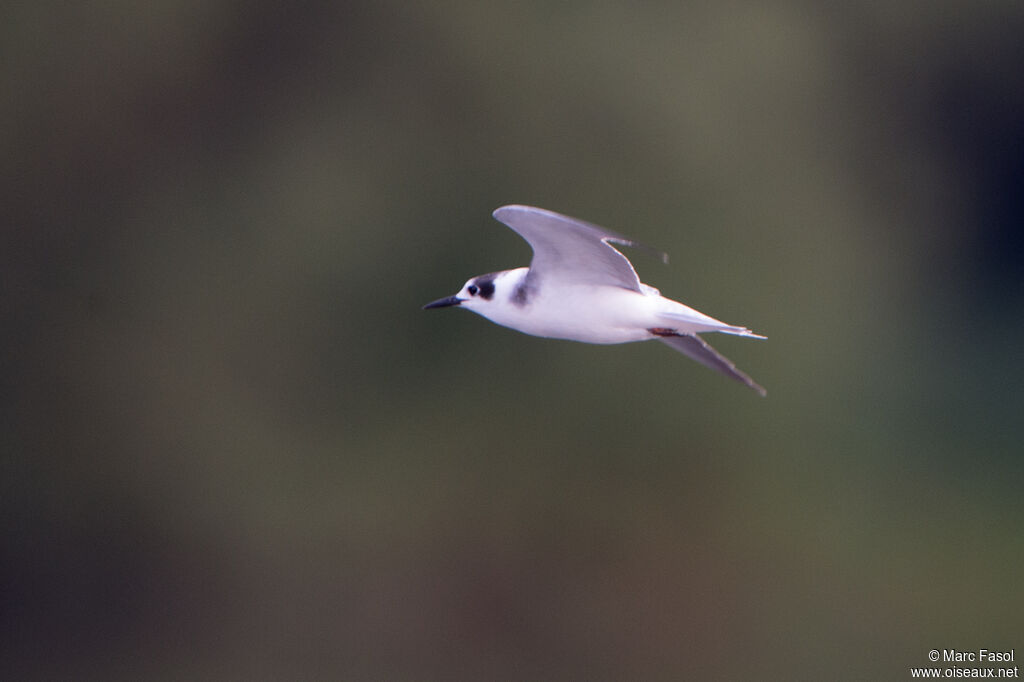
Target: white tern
(579,287)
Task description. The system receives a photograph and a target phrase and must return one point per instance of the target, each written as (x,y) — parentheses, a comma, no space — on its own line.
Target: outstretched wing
(571,251)
(694,347)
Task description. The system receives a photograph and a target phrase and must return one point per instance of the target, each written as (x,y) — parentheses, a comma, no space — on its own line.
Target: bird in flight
(579,287)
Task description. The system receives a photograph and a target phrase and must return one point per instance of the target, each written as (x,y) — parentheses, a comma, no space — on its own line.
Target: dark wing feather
(695,347)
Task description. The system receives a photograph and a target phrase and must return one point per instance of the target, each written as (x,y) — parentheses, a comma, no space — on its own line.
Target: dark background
(235,448)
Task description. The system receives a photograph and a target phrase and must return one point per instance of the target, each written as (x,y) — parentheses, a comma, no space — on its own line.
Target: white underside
(603,315)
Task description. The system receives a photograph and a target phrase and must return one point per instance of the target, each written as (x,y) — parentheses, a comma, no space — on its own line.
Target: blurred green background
(234,447)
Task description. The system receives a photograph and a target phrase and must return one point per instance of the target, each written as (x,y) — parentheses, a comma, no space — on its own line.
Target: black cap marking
(486,287)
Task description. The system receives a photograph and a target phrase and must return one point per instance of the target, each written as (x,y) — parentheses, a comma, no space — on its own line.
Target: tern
(579,287)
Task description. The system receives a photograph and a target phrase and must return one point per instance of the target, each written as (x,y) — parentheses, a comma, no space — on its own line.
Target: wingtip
(749,383)
(507,208)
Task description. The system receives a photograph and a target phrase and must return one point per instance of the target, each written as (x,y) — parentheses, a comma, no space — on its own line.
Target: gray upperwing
(572,251)
(694,347)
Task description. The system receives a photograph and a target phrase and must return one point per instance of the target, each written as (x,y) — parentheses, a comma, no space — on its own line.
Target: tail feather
(740,331)
(689,321)
(697,349)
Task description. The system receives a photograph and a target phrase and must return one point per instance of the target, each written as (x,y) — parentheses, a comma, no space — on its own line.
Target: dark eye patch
(487,289)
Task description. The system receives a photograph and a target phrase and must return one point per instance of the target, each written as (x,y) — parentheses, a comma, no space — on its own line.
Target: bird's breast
(603,315)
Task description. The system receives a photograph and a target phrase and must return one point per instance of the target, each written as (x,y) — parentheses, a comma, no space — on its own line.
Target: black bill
(443,302)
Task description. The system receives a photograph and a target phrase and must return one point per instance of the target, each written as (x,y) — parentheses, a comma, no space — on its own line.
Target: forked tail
(690,321)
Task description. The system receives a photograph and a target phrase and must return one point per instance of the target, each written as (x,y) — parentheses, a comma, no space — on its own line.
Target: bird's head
(476,293)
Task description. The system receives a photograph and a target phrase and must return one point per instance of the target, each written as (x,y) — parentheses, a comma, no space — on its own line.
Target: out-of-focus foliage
(235,448)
